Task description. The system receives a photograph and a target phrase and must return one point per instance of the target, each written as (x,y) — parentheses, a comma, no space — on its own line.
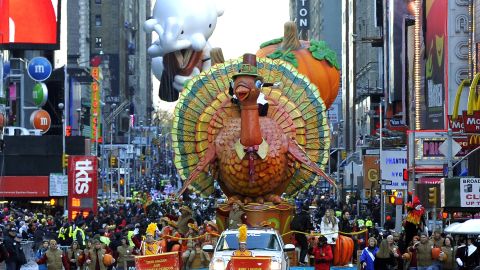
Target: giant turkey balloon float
(220,135)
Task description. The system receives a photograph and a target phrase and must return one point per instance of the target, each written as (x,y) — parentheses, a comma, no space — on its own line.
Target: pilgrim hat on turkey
(248,67)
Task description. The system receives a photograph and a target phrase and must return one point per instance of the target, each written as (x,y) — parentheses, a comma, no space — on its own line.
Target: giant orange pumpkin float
(343,251)
(311,58)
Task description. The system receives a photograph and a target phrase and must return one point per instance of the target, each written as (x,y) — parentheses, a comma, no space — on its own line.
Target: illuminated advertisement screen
(27,24)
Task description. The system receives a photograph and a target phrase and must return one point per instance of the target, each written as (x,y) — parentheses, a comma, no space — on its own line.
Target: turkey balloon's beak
(242,92)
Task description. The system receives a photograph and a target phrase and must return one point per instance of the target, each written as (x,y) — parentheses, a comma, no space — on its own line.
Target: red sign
(456,125)
(249,263)
(82,185)
(430,180)
(30,24)
(23,186)
(169,260)
(471,122)
(473,141)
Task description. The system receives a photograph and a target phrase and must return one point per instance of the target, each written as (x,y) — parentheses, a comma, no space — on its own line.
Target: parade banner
(163,261)
(82,182)
(250,263)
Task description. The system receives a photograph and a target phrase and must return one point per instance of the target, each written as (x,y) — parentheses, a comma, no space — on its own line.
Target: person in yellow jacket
(242,242)
(79,234)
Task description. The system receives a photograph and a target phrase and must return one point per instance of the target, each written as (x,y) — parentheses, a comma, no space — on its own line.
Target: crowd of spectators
(120,226)
(116,223)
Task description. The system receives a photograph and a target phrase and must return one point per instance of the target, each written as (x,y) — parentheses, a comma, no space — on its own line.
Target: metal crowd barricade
(64,249)
(27,247)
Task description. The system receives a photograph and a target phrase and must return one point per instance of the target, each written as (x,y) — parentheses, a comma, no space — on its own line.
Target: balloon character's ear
(230,88)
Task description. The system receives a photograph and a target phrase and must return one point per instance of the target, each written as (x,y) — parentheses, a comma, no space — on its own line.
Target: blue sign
(6,69)
(39,69)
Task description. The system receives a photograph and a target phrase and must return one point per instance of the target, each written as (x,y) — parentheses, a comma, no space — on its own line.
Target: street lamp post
(382,188)
(61,106)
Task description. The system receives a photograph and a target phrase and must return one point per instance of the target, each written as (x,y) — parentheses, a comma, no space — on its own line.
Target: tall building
(108,34)
(321,20)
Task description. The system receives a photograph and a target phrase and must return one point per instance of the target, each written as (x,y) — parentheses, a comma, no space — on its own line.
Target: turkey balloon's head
(247,83)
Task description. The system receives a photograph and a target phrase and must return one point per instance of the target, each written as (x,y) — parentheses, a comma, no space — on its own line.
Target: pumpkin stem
(290,38)
(216,55)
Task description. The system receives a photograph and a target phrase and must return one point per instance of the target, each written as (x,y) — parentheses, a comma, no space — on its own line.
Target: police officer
(16,256)
(79,234)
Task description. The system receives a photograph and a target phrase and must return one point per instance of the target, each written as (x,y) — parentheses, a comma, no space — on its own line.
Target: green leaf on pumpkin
(271,42)
(320,51)
(287,56)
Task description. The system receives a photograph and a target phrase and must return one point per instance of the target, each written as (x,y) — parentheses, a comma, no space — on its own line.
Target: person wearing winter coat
(448,254)
(16,256)
(367,258)
(40,253)
(75,256)
(468,256)
(54,258)
(329,226)
(385,259)
(323,254)
(301,223)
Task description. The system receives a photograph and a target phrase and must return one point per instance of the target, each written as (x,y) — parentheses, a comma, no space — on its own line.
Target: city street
(273,134)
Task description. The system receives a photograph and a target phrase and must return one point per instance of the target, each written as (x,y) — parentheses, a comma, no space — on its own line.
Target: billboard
(83,186)
(392,164)
(459,33)
(371,170)
(436,50)
(24,186)
(30,25)
(463,193)
(401,15)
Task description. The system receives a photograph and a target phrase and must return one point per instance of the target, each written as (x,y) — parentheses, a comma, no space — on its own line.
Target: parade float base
(278,216)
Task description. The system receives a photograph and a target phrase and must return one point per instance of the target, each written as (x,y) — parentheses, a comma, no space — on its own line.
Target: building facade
(108,34)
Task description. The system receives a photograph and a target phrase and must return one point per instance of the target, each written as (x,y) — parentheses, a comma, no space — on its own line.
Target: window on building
(98,20)
(98,42)
(98,1)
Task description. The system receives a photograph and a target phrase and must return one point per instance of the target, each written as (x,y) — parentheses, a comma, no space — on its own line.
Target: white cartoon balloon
(183,28)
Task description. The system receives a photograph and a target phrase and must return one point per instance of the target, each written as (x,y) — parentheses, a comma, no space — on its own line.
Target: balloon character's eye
(258,84)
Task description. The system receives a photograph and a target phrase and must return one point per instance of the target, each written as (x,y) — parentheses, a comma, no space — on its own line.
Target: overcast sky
(245,24)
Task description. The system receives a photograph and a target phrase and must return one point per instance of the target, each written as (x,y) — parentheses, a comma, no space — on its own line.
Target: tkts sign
(82,185)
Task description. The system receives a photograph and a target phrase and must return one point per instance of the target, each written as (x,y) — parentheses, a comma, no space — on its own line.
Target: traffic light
(53,202)
(432,196)
(122,181)
(113,161)
(64,160)
(68,131)
(391,199)
(405,175)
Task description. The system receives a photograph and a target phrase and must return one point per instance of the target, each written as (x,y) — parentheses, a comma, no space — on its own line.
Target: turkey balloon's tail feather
(208,158)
